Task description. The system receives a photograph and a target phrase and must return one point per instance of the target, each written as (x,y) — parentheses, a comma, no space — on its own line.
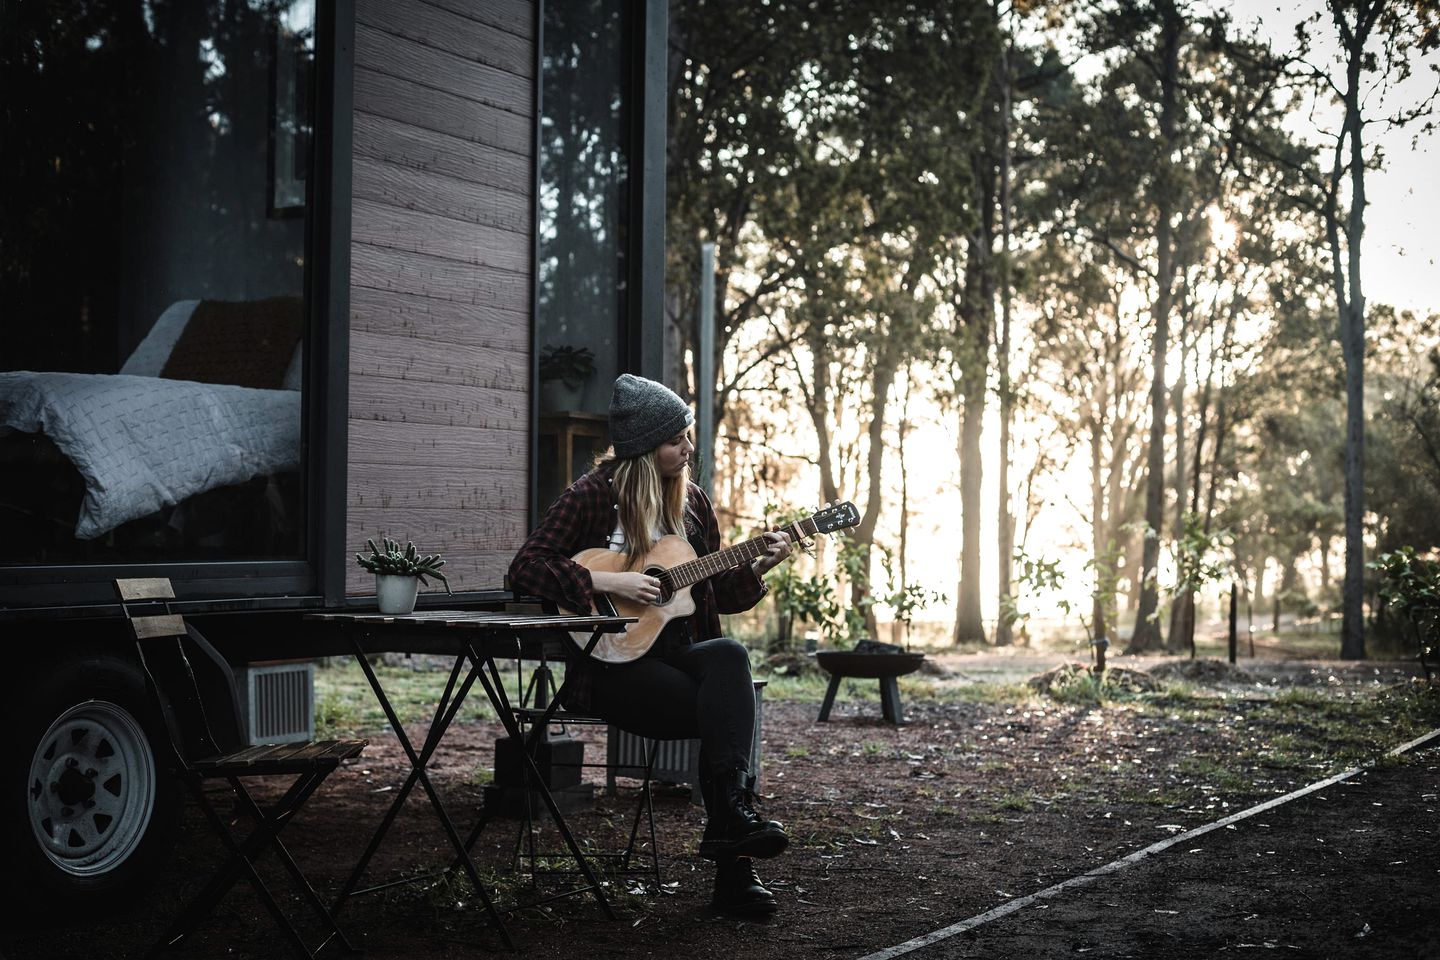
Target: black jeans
(703,690)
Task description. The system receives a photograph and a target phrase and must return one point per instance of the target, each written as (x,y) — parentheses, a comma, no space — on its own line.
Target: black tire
(88,770)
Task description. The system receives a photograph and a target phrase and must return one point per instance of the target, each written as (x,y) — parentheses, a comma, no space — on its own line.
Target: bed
(209,399)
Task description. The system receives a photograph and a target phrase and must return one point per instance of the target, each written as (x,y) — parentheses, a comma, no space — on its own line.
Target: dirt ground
(898,832)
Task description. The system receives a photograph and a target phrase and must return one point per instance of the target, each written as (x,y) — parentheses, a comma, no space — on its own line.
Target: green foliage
(403,563)
(572,365)
(904,600)
(1410,589)
(1035,574)
(1197,555)
(1106,570)
(816,598)
(799,598)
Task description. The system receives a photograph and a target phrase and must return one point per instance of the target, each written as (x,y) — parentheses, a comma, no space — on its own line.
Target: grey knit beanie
(643,415)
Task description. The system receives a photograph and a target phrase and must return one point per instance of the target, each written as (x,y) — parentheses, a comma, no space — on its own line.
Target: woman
(692,682)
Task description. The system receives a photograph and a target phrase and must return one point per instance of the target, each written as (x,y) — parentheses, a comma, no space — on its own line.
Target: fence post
(1233,639)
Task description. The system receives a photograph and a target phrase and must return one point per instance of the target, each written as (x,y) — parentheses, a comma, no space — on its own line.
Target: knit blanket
(142,443)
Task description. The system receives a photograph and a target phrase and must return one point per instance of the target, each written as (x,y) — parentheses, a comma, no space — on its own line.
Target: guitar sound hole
(666,594)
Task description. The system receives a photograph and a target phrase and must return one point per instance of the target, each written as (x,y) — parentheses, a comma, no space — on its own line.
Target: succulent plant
(402,563)
(571,365)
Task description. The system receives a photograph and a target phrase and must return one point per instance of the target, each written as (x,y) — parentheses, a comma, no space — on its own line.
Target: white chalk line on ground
(1084,879)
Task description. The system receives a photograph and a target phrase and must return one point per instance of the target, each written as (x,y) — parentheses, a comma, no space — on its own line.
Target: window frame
(319,578)
(641,333)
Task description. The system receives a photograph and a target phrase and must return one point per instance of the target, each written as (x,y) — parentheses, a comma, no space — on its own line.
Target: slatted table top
(499,633)
(479,620)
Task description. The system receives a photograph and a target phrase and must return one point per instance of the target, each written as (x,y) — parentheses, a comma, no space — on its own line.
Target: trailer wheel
(100,805)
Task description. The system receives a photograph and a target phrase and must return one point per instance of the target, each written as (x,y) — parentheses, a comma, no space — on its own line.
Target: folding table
(476,639)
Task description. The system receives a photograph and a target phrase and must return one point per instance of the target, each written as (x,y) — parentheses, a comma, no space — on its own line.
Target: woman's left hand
(775,553)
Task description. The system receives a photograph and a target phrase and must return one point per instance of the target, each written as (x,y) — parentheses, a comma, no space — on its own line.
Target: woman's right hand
(638,587)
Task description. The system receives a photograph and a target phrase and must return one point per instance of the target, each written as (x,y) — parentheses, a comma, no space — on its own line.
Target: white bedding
(143,443)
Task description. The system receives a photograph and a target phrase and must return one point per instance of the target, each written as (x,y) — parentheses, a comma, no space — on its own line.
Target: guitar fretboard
(683,575)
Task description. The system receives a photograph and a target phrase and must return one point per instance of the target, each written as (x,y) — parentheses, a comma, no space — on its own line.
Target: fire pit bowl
(882,666)
(868,666)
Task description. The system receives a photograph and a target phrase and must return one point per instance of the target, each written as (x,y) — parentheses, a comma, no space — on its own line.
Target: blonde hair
(648,501)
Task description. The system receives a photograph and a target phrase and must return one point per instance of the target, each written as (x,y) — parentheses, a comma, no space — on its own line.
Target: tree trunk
(1098,525)
(899,630)
(1352,345)
(1182,611)
(1006,533)
(1286,584)
(975,315)
(864,535)
(969,625)
(1147,626)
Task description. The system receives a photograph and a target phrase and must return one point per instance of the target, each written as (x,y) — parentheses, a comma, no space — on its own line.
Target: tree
(1376,43)
(1088,343)
(1376,36)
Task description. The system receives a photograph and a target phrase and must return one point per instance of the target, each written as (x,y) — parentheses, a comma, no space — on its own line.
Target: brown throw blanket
(248,343)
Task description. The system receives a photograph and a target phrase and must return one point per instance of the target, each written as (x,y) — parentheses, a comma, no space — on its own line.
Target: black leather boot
(739,892)
(732,828)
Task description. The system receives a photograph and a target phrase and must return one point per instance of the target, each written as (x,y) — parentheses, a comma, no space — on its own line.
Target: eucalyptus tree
(1347,63)
(1404,455)
(1092,378)
(1377,40)
(823,150)
(750,89)
(1135,167)
(899,151)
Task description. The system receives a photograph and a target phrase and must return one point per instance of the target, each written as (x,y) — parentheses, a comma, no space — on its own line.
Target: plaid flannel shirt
(584,516)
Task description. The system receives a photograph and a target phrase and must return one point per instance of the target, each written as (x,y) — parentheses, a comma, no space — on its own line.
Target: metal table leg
(495,689)
(445,712)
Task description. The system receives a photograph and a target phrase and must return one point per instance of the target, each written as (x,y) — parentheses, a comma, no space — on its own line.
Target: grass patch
(1014,802)
(992,694)
(346,706)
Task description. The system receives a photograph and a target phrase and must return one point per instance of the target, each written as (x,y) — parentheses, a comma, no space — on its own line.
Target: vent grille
(279,702)
(676,761)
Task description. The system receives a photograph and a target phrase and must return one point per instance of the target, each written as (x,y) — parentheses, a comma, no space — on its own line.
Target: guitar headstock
(837,516)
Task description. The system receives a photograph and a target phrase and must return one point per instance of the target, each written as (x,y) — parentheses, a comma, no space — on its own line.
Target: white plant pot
(557,395)
(396,593)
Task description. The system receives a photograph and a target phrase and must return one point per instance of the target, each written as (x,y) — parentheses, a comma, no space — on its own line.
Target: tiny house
(276,277)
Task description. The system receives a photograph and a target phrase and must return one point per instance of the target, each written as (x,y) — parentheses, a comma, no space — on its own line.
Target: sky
(1400,250)
(1402,245)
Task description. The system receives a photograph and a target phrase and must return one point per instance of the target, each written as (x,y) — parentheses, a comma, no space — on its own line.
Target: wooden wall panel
(441,282)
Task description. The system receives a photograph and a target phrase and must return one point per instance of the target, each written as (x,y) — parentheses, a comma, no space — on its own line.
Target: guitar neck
(702,568)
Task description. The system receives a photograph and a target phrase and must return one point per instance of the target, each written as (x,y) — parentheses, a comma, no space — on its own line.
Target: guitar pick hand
(639,587)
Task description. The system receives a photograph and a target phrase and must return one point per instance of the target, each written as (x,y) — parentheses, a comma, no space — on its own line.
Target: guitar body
(638,637)
(673,562)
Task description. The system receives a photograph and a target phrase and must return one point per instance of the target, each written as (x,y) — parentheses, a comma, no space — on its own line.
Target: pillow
(248,343)
(150,356)
(153,352)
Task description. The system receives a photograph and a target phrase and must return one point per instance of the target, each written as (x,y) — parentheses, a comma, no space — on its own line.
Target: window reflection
(152,268)
(584,184)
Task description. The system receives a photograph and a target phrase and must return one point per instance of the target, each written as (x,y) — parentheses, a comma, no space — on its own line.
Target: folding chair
(626,862)
(203,752)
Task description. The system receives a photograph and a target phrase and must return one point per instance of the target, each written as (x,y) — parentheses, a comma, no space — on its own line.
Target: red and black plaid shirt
(584,516)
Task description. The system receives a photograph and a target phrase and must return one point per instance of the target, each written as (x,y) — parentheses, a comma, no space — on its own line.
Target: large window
(585,176)
(153,268)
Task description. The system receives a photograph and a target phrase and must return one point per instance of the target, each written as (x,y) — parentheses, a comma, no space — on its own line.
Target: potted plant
(564,371)
(399,573)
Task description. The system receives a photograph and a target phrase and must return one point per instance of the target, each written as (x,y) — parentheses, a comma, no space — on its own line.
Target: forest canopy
(1066,297)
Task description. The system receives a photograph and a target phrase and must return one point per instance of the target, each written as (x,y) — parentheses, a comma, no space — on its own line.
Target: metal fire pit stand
(885,667)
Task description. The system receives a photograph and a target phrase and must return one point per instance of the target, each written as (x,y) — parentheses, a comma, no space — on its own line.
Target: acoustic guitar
(673,562)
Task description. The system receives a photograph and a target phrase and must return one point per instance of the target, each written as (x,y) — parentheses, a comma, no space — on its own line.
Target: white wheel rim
(91,788)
